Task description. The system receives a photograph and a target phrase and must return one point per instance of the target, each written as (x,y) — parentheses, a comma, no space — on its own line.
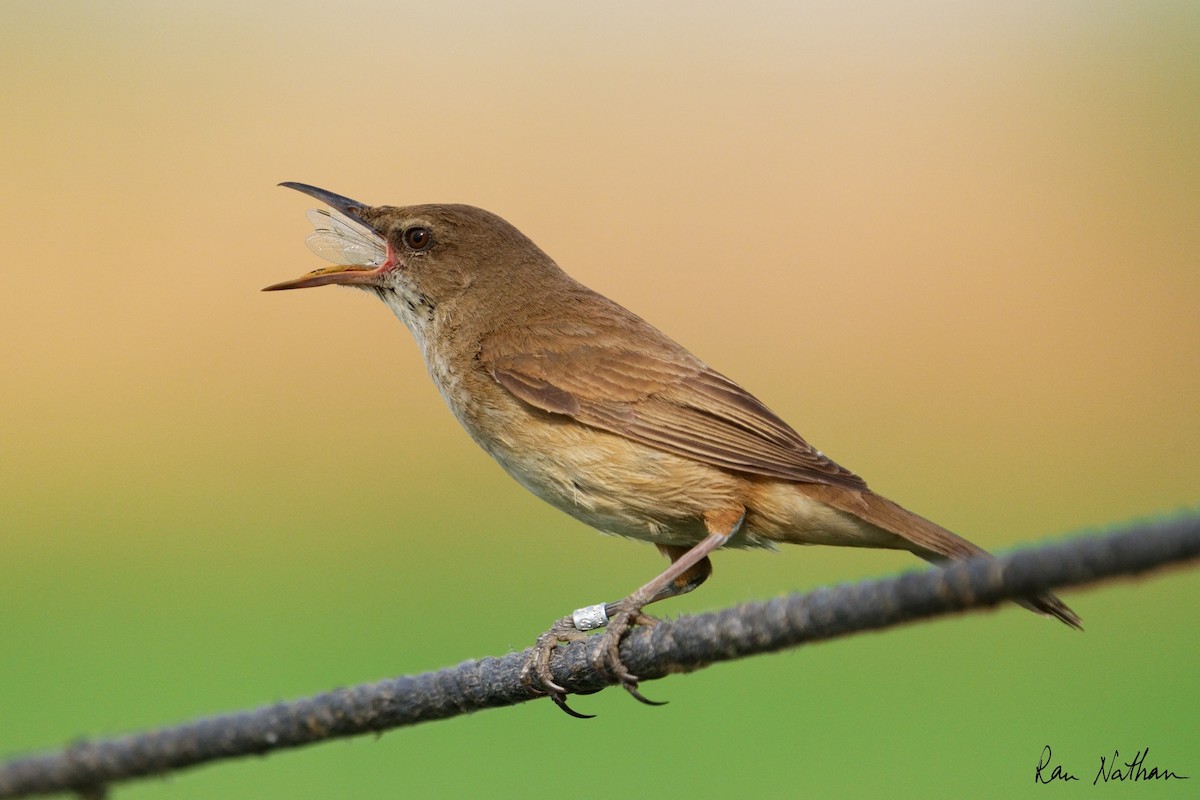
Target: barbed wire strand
(88,768)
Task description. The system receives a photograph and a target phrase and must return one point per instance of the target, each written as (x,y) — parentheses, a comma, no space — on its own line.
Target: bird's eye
(417,239)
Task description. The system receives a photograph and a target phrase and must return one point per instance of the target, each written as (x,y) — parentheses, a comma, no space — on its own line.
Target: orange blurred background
(956,245)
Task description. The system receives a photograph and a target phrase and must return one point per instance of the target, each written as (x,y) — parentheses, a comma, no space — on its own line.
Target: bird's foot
(607,658)
(536,675)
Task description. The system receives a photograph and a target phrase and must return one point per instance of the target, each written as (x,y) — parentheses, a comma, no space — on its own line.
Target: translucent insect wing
(341,240)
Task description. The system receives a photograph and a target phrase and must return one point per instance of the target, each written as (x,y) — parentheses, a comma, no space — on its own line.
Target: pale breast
(605,480)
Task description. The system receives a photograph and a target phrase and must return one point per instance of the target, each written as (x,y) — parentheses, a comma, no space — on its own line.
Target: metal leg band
(590,617)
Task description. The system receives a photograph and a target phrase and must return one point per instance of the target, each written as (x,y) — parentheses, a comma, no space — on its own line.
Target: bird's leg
(570,629)
(687,571)
(689,568)
(686,582)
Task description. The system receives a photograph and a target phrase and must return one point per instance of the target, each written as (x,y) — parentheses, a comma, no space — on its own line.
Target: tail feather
(926,539)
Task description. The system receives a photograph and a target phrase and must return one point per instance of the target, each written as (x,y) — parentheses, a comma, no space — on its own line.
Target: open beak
(342,274)
(351,208)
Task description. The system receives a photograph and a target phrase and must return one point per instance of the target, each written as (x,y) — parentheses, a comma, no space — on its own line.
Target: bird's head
(416,258)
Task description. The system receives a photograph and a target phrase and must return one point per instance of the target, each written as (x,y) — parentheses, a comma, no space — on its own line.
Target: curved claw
(552,690)
(641,698)
(560,700)
(607,660)
(536,673)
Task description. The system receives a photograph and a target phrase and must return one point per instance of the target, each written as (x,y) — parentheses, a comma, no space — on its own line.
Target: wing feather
(662,396)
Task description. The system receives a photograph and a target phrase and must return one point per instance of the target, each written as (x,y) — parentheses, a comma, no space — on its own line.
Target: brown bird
(601,415)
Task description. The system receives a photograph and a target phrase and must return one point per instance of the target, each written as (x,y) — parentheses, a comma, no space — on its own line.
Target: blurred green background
(954,244)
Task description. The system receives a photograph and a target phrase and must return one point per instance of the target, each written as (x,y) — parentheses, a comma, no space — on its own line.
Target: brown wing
(661,395)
